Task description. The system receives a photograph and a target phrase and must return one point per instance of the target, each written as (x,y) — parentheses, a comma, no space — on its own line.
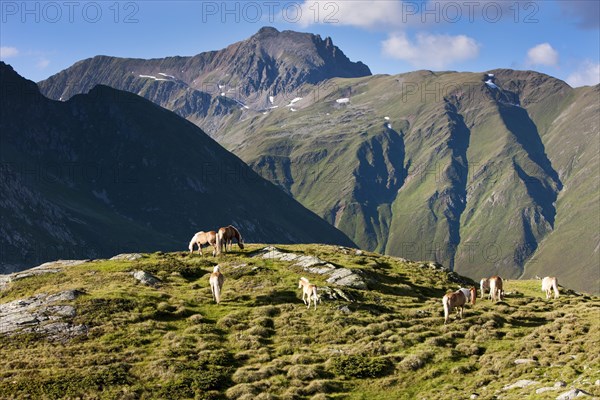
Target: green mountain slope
(109,171)
(443,167)
(127,340)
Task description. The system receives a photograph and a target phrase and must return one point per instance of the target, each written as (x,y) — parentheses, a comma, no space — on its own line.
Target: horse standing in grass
(496,290)
(484,285)
(225,237)
(216,281)
(309,292)
(201,238)
(550,283)
(458,300)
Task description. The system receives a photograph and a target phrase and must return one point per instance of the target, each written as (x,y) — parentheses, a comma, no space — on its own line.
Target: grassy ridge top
(261,342)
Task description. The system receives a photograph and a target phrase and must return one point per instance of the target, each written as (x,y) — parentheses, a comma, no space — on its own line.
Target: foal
(458,300)
(216,281)
(309,291)
(550,283)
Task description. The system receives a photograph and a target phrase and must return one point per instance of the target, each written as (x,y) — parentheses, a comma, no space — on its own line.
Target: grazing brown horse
(216,281)
(550,283)
(225,237)
(201,238)
(309,292)
(496,290)
(458,300)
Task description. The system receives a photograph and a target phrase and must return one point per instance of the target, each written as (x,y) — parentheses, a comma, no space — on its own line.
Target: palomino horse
(201,238)
(496,290)
(225,236)
(458,300)
(550,283)
(216,281)
(309,292)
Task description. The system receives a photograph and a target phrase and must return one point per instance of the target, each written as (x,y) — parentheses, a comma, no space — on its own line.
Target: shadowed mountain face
(213,88)
(108,171)
(488,174)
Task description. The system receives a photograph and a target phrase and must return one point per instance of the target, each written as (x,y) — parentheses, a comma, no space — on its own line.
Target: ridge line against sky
(560,38)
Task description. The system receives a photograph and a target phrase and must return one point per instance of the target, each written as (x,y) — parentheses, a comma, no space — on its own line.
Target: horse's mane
(236,232)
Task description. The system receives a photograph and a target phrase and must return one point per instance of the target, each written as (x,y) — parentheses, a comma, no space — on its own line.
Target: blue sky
(560,38)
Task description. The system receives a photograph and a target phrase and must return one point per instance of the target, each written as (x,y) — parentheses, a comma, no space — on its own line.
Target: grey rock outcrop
(41,314)
(337,276)
(146,278)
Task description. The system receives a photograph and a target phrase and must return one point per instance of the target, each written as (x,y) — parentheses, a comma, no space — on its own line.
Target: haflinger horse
(458,300)
(225,237)
(484,285)
(309,292)
(202,238)
(216,281)
(496,290)
(550,283)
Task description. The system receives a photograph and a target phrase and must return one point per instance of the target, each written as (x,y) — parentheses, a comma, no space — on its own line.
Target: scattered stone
(573,393)
(345,310)
(597,383)
(520,384)
(127,257)
(146,278)
(560,384)
(358,252)
(474,396)
(525,361)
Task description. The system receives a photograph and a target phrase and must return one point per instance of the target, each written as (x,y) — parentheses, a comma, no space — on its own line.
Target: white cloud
(542,54)
(430,51)
(359,13)
(7,52)
(588,74)
(42,63)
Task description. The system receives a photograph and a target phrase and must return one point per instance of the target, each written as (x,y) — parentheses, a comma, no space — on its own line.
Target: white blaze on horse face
(216,268)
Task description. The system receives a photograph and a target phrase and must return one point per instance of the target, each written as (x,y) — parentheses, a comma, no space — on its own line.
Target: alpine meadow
(303,200)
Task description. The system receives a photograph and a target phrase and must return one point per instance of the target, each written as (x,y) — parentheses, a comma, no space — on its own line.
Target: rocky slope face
(216,87)
(109,171)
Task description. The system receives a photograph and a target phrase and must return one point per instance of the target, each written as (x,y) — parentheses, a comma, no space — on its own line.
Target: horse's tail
(191,245)
(215,288)
(446,303)
(555,287)
(219,241)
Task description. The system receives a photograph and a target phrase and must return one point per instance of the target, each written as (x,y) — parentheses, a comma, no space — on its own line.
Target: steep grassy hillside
(261,342)
(483,177)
